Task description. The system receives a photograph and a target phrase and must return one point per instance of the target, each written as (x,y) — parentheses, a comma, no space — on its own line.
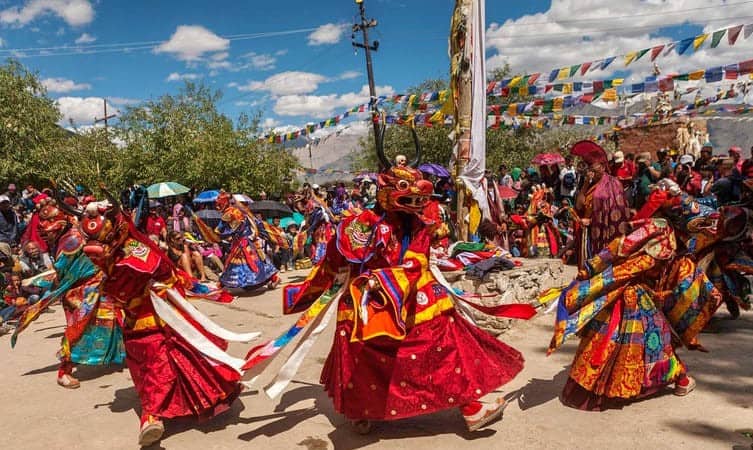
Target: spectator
(705,158)
(155,224)
(736,153)
(33,261)
(12,194)
(505,179)
(568,181)
(8,226)
(726,188)
(187,260)
(663,167)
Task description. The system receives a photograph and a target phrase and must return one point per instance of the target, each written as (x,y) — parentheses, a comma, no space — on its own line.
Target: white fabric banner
(473,172)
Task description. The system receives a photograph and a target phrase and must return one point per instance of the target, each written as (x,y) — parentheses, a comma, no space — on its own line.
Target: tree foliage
(181,137)
(27,122)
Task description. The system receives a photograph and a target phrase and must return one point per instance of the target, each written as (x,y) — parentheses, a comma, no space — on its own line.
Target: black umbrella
(270,208)
(210,217)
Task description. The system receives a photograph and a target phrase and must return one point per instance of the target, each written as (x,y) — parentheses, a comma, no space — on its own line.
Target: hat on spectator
(686,159)
(4,198)
(590,152)
(619,156)
(736,150)
(643,157)
(707,145)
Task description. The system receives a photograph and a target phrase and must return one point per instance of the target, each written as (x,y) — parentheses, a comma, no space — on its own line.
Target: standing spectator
(705,158)
(663,167)
(505,179)
(568,181)
(8,226)
(622,170)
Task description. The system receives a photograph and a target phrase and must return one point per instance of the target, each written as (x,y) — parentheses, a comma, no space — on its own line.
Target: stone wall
(520,285)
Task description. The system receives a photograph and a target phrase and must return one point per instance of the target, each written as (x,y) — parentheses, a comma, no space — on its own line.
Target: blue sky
(135,50)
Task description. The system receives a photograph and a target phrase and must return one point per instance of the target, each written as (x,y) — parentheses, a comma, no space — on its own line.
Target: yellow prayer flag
(558,103)
(523,90)
(609,95)
(411,99)
(446,99)
(617,82)
(515,80)
(698,41)
(567,88)
(697,75)
(564,73)
(437,117)
(512,109)
(630,57)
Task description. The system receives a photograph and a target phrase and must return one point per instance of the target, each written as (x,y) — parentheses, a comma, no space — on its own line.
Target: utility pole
(368,48)
(104,119)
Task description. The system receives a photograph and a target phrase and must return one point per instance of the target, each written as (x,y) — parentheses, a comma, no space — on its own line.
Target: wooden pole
(461,80)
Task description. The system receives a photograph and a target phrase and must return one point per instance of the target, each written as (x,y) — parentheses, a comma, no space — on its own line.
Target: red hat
(736,150)
(590,152)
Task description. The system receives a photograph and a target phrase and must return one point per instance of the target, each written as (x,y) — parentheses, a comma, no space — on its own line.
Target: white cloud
(123,101)
(327,34)
(269,122)
(578,31)
(261,61)
(191,42)
(287,83)
(85,38)
(349,75)
(281,52)
(73,12)
(175,76)
(82,110)
(62,85)
(324,106)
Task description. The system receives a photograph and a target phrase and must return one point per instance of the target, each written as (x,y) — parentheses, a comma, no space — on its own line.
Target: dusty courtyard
(103,413)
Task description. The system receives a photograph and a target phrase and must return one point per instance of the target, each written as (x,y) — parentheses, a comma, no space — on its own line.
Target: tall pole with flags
(468,83)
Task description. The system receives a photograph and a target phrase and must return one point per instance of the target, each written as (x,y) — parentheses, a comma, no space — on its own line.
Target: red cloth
(31,233)
(441,364)
(625,171)
(155,225)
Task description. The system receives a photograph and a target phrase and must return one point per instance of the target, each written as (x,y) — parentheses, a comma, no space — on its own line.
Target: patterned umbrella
(434,169)
(548,159)
(206,197)
(166,189)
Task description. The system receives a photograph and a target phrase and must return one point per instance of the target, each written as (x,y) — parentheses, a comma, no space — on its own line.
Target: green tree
(28,130)
(184,138)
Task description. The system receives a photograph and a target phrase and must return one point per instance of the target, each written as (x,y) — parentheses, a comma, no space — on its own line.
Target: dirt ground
(103,414)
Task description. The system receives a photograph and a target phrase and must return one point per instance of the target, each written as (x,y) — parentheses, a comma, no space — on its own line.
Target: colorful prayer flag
(699,40)
(717,38)
(655,51)
(630,57)
(733,33)
(607,62)
(584,68)
(684,45)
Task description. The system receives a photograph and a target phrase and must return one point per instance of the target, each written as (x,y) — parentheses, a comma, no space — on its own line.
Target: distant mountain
(331,153)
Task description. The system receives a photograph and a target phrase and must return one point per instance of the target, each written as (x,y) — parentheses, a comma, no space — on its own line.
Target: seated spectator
(33,261)
(187,260)
(155,224)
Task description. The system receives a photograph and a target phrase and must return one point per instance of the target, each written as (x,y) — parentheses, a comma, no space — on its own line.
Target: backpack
(568,181)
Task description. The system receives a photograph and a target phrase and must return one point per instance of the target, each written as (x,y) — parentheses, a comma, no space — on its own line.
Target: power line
(130,46)
(629,16)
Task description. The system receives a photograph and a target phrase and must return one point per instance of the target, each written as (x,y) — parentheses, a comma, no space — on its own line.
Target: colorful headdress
(106,228)
(223,200)
(401,188)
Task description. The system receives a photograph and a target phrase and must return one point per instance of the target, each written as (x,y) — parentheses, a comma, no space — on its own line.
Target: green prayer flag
(716,38)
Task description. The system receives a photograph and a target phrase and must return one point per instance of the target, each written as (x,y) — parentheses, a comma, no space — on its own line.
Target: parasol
(243,198)
(507,193)
(270,208)
(206,197)
(548,159)
(166,189)
(434,169)
(360,177)
(210,216)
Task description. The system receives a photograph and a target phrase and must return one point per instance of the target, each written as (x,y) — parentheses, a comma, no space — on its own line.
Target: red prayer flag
(655,51)
(733,33)
(584,67)
(532,79)
(745,67)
